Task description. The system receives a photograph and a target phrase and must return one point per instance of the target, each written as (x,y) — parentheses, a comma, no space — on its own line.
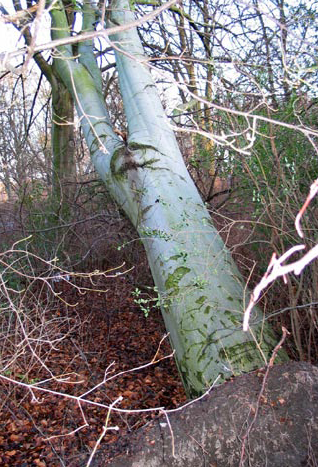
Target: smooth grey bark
(201,290)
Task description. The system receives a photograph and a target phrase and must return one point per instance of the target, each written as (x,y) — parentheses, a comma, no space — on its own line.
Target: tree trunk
(62,133)
(64,167)
(202,296)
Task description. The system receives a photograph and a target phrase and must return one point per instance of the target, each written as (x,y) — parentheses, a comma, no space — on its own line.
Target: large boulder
(210,432)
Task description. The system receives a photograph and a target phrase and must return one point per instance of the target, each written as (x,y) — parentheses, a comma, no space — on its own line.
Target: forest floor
(98,342)
(99,350)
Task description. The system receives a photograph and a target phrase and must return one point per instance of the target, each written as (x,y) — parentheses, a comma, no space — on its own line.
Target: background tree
(22,159)
(62,134)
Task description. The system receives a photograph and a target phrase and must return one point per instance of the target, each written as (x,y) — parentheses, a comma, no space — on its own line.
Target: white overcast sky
(9,35)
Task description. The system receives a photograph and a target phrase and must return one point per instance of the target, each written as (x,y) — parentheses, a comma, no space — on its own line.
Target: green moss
(173,279)
(268,339)
(149,164)
(134,146)
(181,255)
(201,300)
(242,356)
(145,210)
(128,161)
(199,376)
(116,155)
(230,316)
(174,258)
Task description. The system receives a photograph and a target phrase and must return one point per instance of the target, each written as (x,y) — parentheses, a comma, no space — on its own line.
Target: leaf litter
(102,338)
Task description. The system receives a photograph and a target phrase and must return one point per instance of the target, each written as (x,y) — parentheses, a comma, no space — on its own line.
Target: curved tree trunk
(202,296)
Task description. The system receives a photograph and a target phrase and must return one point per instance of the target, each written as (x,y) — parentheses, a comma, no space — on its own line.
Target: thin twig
(105,428)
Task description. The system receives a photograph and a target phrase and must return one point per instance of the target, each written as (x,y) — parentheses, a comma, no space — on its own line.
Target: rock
(209,432)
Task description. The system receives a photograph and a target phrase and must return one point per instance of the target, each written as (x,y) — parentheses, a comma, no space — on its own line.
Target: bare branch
(6,57)
(276,268)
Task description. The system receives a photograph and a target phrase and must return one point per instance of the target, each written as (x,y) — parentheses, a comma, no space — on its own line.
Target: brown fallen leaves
(43,429)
